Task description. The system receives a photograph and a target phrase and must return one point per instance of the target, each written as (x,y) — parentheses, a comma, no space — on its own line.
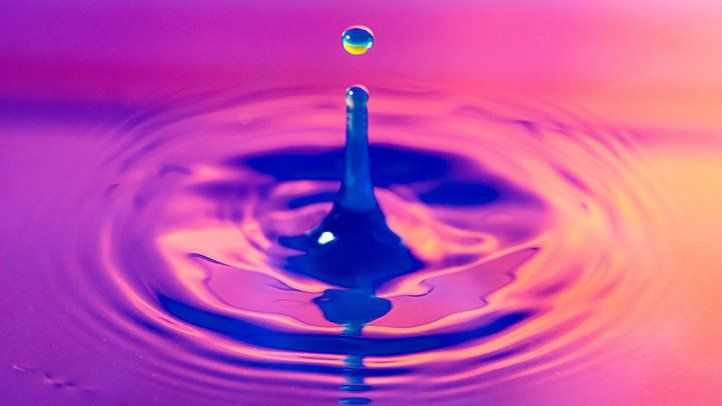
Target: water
(230,247)
(190,243)
(357,40)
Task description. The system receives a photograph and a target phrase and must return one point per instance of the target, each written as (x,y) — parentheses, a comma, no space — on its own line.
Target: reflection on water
(531,244)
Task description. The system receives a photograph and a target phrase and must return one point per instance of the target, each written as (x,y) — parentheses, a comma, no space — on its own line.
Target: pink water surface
(605,116)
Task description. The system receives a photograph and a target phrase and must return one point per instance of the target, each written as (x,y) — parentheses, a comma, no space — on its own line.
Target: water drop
(357,40)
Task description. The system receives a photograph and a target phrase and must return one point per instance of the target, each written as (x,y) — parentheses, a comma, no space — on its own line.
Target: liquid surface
(527,233)
(552,170)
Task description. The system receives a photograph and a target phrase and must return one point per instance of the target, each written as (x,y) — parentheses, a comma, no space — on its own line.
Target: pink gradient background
(646,62)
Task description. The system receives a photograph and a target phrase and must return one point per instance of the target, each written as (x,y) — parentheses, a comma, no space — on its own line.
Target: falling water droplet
(357,40)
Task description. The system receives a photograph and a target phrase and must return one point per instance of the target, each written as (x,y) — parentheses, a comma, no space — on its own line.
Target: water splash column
(356,187)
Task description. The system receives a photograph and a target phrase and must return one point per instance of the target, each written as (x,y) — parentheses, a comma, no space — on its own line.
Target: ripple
(531,225)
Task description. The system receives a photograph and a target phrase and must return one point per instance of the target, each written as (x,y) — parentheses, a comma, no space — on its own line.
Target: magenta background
(634,61)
